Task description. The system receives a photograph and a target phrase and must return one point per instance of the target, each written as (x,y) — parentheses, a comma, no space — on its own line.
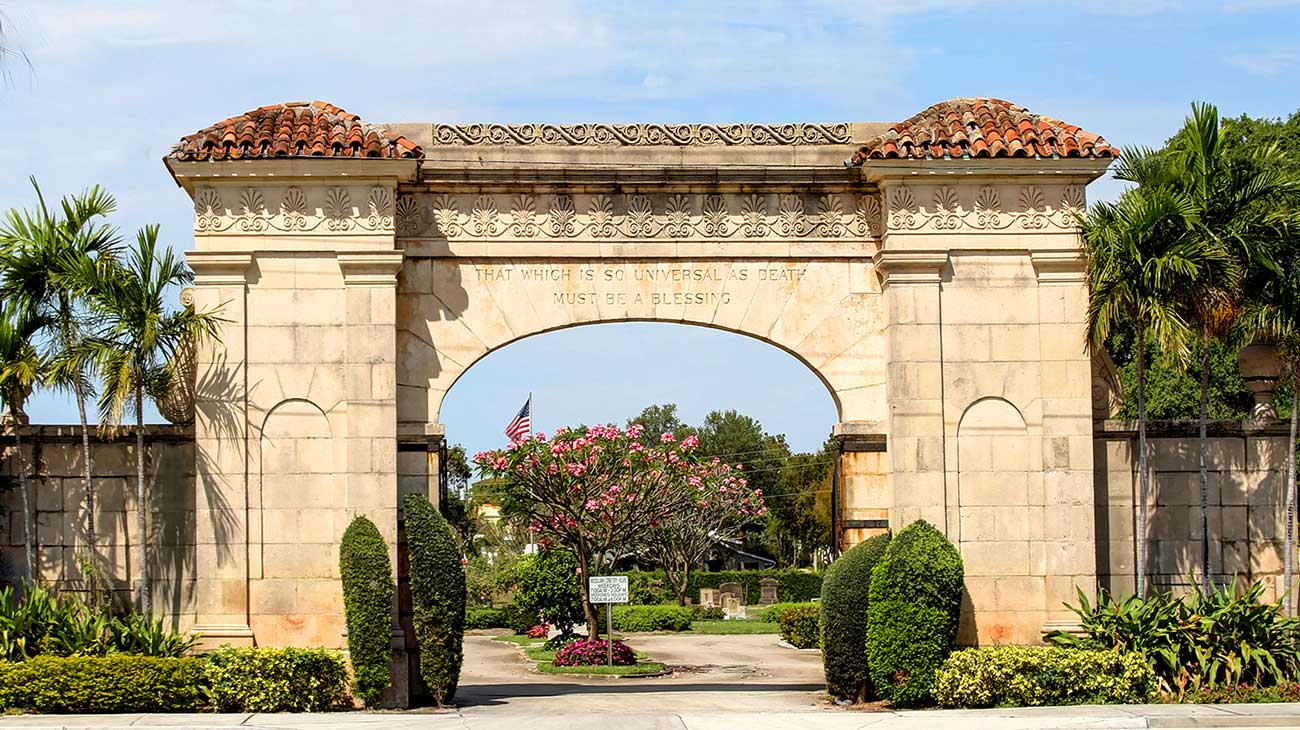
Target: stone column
(221,436)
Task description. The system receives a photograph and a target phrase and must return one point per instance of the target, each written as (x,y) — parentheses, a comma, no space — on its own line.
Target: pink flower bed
(593,652)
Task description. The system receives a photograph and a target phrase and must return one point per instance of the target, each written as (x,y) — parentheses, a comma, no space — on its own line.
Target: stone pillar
(221,442)
(913,386)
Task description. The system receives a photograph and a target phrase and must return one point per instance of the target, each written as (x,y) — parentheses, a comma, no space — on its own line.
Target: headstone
(734,589)
(709,597)
(731,606)
(767,589)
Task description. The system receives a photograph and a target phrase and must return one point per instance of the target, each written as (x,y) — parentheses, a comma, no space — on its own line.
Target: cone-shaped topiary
(912,611)
(845,588)
(367,575)
(437,596)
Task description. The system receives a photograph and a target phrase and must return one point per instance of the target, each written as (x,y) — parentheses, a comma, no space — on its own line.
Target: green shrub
(437,596)
(116,683)
(1285,692)
(550,590)
(1220,638)
(649,587)
(1020,676)
(486,618)
(801,626)
(275,680)
(519,619)
(843,606)
(772,614)
(912,613)
(367,576)
(653,618)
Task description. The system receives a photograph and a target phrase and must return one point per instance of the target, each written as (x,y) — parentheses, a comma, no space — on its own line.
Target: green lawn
(734,627)
(632,671)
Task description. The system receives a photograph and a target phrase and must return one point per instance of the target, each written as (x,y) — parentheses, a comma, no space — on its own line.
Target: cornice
(370,269)
(909,267)
(219,268)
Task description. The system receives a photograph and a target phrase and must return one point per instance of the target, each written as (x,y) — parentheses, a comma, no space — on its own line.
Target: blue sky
(115,83)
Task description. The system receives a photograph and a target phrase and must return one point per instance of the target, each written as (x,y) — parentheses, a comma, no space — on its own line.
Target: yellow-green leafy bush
(367,576)
(801,626)
(114,683)
(1022,676)
(275,680)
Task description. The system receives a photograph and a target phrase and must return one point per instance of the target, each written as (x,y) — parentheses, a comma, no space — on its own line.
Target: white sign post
(608,589)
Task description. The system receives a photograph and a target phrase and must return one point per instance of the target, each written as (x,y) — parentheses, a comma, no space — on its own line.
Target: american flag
(522,425)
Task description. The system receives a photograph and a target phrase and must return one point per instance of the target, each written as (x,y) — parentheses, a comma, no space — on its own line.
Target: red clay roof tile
(980,127)
(294,129)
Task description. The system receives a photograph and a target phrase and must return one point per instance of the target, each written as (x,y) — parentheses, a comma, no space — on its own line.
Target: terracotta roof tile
(979,127)
(294,129)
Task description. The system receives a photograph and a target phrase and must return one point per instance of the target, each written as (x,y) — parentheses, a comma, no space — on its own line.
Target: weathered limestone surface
(58,492)
(1247,479)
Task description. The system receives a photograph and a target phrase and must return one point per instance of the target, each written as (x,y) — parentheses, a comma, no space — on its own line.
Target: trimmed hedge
(437,597)
(772,614)
(912,612)
(653,618)
(801,626)
(275,680)
(845,588)
(648,587)
(1022,676)
(114,683)
(367,576)
(484,617)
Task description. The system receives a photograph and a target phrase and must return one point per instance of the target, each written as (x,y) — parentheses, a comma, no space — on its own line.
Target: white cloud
(1265,62)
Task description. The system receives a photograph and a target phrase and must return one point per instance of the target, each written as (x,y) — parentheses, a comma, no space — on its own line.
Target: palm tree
(1271,311)
(37,250)
(20,369)
(137,339)
(1227,213)
(1139,261)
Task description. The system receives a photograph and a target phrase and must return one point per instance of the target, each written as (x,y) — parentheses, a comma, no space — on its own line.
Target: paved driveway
(750,673)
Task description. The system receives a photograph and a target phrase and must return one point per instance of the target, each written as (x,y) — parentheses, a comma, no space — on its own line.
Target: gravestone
(767,591)
(731,606)
(709,597)
(734,589)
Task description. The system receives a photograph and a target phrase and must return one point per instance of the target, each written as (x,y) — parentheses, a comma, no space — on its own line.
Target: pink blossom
(667,437)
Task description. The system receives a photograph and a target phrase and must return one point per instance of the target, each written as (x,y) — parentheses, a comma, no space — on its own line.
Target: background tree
(137,338)
(723,503)
(20,369)
(657,420)
(550,590)
(800,514)
(592,490)
(38,251)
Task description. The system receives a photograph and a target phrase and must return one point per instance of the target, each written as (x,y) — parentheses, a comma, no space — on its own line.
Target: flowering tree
(595,490)
(722,503)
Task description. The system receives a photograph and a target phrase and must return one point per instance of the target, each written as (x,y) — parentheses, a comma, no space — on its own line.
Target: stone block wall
(1247,480)
(58,495)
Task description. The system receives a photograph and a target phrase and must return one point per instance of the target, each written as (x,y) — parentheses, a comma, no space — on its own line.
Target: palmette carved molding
(602,216)
(641,135)
(985,208)
(294,209)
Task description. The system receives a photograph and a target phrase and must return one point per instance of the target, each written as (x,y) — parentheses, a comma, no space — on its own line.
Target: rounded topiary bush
(912,611)
(845,597)
(367,576)
(437,596)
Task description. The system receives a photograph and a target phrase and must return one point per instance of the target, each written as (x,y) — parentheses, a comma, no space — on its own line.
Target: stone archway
(917,267)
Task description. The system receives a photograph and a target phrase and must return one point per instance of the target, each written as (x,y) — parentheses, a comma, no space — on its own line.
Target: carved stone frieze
(984,208)
(604,216)
(641,135)
(256,209)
